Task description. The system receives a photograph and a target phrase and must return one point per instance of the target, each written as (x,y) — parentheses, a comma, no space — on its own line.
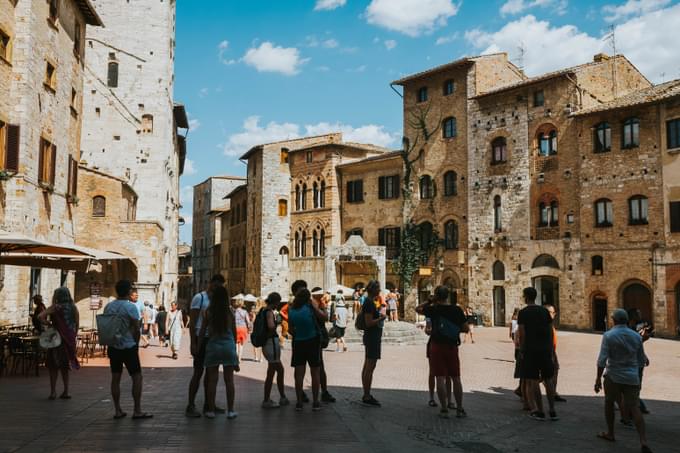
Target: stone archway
(354,262)
(636,294)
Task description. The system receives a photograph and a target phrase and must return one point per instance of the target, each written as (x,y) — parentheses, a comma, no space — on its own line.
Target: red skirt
(444,360)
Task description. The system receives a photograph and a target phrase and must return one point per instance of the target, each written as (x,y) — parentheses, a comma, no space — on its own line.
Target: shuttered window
(112,76)
(47,162)
(355,191)
(72,189)
(675,216)
(388,187)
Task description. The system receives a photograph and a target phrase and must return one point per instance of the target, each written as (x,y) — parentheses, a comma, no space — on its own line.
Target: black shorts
(199,359)
(306,352)
(339,332)
(128,357)
(372,343)
(537,365)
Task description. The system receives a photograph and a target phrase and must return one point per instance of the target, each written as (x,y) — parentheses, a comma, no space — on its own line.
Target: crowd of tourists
(219,329)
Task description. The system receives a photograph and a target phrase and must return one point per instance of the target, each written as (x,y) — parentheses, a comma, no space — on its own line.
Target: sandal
(119,416)
(432,403)
(444,413)
(460,413)
(606,436)
(64,396)
(141,416)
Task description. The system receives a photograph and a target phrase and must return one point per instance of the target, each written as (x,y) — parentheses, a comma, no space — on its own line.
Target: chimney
(600,57)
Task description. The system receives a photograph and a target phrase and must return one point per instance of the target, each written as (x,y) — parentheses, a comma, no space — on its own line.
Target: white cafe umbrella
(239,296)
(346,291)
(250,298)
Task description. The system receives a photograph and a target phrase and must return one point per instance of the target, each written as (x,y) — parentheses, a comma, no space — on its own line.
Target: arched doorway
(548,289)
(425,289)
(452,286)
(599,312)
(498,306)
(637,295)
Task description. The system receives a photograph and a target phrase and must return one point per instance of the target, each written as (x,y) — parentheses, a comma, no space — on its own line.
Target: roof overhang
(180,114)
(452,65)
(89,13)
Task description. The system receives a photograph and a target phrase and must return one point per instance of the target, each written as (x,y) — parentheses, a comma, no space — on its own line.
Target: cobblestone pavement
(31,423)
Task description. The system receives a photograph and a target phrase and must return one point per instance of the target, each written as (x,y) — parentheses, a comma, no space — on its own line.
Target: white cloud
(390,44)
(203,92)
(222,49)
(330,43)
(410,17)
(519,6)
(361,68)
(189,167)
(328,5)
(186,196)
(447,39)
(632,8)
(271,58)
(548,48)
(194,124)
(255,134)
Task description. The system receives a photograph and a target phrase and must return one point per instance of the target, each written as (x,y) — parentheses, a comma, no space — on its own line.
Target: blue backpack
(446,330)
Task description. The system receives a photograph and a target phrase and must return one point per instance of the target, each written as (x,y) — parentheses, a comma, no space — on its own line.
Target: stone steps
(394,333)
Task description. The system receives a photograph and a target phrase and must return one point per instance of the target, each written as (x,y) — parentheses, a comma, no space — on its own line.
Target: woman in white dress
(174,323)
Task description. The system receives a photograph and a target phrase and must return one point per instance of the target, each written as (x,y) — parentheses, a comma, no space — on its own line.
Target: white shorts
(272,350)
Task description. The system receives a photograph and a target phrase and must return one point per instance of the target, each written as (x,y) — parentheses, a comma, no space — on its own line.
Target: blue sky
(263,70)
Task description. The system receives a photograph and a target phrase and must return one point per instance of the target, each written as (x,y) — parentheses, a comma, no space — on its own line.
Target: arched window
(426,187)
(425,235)
(630,137)
(497,214)
(298,244)
(298,198)
(638,210)
(319,242)
(499,150)
(545,261)
(283,257)
(602,138)
(147,123)
(451,235)
(498,271)
(604,213)
(284,156)
(322,195)
(315,195)
(597,265)
(449,127)
(450,188)
(547,142)
(548,213)
(303,244)
(98,206)
(283,208)
(112,74)
(303,196)
(315,243)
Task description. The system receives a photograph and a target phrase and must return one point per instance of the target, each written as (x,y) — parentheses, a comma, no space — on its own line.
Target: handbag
(50,338)
(333,332)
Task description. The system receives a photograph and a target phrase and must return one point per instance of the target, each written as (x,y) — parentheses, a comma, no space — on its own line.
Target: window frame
(503,150)
(53,12)
(608,212)
(390,238)
(539,98)
(548,136)
(98,211)
(421,95)
(633,133)
(451,235)
(449,87)
(497,214)
(309,157)
(284,156)
(355,191)
(50,80)
(597,265)
(638,210)
(450,183)
(388,187)
(112,73)
(674,216)
(47,163)
(283,207)
(7,42)
(602,144)
(449,127)
(673,133)
(426,190)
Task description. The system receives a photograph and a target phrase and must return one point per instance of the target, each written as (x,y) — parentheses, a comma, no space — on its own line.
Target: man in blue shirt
(126,350)
(621,357)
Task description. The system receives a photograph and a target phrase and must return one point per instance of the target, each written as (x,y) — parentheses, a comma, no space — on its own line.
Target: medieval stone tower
(130,123)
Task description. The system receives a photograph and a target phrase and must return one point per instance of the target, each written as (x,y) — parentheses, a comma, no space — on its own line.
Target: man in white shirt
(199,305)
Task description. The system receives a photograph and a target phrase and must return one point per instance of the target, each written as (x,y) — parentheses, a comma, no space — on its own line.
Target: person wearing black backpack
(448,321)
(265,329)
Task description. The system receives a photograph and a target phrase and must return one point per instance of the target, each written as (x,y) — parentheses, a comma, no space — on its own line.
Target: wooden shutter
(41,161)
(359,189)
(350,198)
(381,187)
(112,76)
(12,156)
(72,177)
(397,186)
(53,164)
(675,216)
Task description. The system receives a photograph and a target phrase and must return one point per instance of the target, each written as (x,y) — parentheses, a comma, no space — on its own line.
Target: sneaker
(327,397)
(298,407)
(191,412)
(370,401)
(218,410)
(305,398)
(284,401)
(232,415)
(316,407)
(538,416)
(559,399)
(270,405)
(553,416)
(209,414)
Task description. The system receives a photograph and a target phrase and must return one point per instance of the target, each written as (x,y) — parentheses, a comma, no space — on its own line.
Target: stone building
(184,280)
(42,66)
(526,195)
(437,139)
(236,239)
(130,121)
(209,202)
(375,215)
(315,194)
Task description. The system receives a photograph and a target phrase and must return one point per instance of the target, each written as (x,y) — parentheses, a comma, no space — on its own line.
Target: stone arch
(545,260)
(635,293)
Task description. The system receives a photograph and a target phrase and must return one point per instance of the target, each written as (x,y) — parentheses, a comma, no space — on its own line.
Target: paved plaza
(496,423)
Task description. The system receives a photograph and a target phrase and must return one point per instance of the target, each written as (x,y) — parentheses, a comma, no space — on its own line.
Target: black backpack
(260,331)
